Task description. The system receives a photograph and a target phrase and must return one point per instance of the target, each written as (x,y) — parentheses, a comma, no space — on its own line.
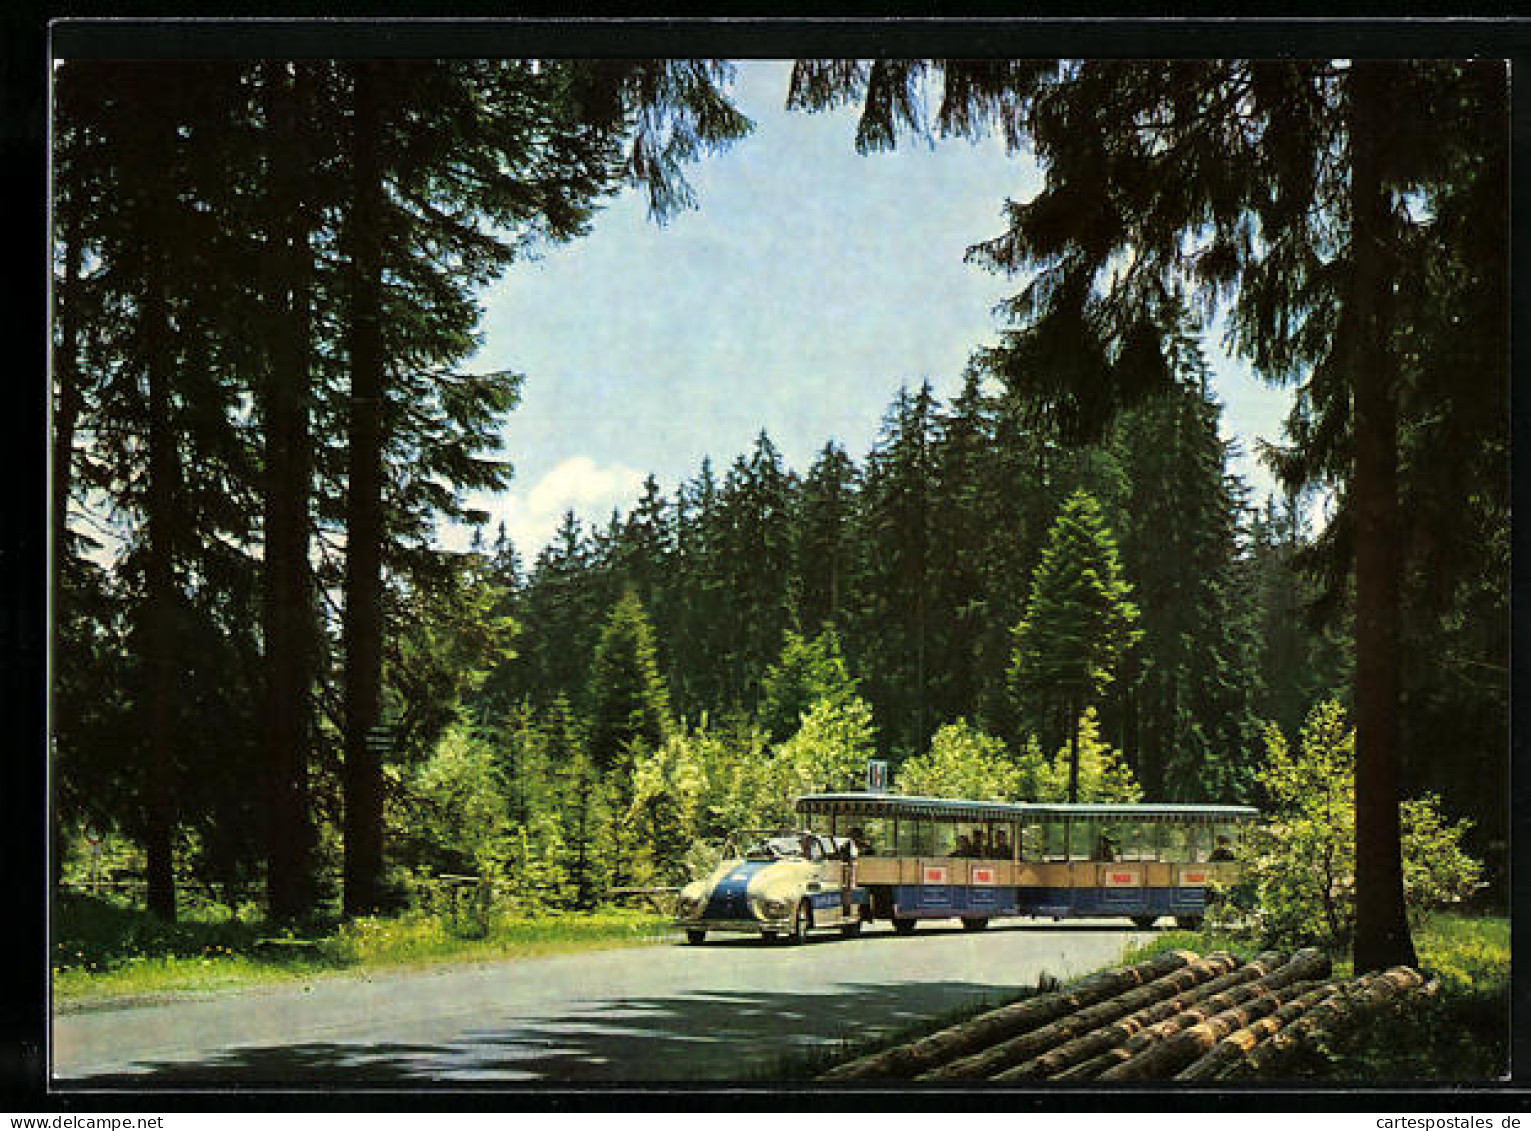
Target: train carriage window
(1199,848)
(1177,842)
(1001,840)
(1034,840)
(1057,840)
(945,839)
(1107,842)
(977,840)
(1137,841)
(1082,837)
(914,837)
(1044,840)
(873,835)
(1225,840)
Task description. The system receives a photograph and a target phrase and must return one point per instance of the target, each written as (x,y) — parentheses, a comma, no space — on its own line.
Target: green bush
(962,761)
(1298,865)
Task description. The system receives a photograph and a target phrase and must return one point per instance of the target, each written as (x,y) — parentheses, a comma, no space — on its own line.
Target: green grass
(105,952)
(1201,942)
(1465,952)
(1460,950)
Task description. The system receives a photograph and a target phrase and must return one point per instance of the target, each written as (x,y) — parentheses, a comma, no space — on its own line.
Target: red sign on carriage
(1197,877)
(935,874)
(983,875)
(1120,878)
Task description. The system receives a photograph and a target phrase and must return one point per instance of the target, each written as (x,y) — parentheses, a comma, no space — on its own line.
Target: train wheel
(694,937)
(1144,922)
(852,929)
(975,924)
(902,925)
(1188,922)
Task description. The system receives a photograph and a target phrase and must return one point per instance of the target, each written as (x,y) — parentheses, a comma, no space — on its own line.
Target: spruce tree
(1186,701)
(578,798)
(700,628)
(808,671)
(562,620)
(821,541)
(754,563)
(627,697)
(890,643)
(970,537)
(150,384)
(642,553)
(1078,621)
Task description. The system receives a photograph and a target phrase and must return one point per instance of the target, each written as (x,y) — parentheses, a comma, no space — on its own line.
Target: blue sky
(809,284)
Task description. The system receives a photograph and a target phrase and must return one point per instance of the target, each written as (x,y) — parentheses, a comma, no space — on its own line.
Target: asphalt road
(733,1009)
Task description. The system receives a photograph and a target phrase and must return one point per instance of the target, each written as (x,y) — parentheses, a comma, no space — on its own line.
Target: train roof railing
(895,804)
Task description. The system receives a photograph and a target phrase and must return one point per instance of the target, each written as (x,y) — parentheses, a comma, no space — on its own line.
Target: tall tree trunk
(1074,750)
(287,597)
(1142,756)
(1382,930)
(363,627)
(160,597)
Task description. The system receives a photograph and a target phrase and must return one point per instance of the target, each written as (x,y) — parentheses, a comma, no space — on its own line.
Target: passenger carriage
(937,858)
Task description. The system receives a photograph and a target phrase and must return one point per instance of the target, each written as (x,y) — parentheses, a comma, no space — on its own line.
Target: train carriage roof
(898,805)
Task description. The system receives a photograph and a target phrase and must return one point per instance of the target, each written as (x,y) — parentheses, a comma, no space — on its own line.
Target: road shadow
(699,1037)
(945,927)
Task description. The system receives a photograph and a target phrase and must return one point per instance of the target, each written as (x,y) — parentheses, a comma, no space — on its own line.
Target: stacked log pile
(1177,1016)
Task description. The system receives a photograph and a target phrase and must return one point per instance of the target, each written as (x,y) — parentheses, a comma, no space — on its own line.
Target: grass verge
(105,953)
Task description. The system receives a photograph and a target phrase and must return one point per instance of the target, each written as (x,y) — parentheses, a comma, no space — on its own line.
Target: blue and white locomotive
(782,886)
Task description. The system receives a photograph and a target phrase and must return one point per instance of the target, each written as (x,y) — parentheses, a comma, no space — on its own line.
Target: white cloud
(532,514)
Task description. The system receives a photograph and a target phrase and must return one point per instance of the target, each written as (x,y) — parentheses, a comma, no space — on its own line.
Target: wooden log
(1273,970)
(1390,983)
(1318,1017)
(1238,1044)
(1091,1045)
(997,1058)
(1364,992)
(1162,1059)
(286,947)
(904,1061)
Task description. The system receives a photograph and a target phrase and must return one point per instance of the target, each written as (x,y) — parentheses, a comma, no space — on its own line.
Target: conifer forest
(275,686)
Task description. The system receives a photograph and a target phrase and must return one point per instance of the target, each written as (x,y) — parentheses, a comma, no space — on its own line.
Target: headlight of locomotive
(774,908)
